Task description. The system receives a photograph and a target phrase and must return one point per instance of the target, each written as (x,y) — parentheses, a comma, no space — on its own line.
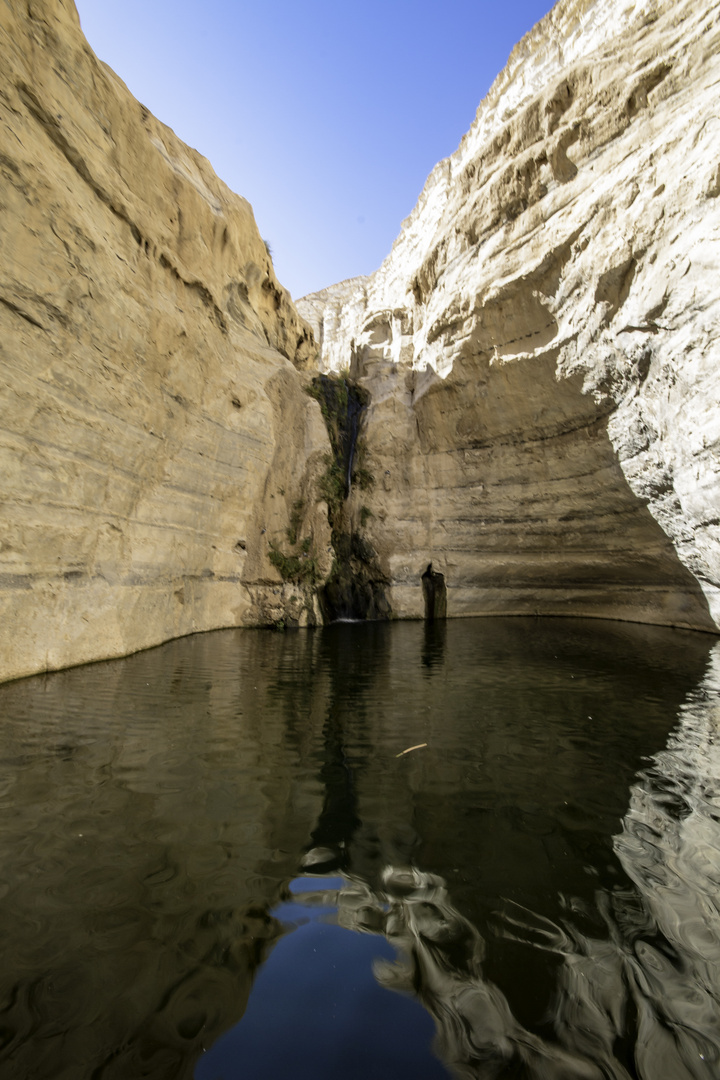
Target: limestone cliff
(540,350)
(542,343)
(154,434)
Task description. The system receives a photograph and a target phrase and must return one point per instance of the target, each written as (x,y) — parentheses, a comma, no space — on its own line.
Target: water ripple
(542,876)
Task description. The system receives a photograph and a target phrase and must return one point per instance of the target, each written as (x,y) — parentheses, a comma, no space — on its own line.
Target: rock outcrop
(540,350)
(542,343)
(154,432)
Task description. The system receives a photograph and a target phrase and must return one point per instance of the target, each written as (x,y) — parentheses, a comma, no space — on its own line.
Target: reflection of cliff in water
(641,998)
(636,998)
(345,709)
(648,990)
(439,961)
(670,848)
(154,810)
(134,832)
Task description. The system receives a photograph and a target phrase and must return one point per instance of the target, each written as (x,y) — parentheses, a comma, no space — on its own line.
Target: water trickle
(356,588)
(343,403)
(355,409)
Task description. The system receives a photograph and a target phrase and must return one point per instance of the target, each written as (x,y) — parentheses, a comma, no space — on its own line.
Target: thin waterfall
(355,409)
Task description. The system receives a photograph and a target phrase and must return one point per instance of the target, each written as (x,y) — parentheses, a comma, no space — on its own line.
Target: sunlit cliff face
(540,342)
(506,480)
(539,348)
(154,430)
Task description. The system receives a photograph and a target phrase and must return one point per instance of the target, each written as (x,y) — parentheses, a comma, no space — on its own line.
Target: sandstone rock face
(540,348)
(154,432)
(542,343)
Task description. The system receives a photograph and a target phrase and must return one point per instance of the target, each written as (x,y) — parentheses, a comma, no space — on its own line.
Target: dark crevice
(435,594)
(356,586)
(203,292)
(23,314)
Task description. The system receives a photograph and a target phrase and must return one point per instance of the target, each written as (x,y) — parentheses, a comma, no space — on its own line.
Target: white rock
(559,273)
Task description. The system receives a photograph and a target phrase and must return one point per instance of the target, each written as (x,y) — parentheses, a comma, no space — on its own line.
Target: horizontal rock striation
(540,349)
(154,433)
(542,343)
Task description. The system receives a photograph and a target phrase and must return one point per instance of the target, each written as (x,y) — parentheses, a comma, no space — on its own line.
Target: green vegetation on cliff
(356,586)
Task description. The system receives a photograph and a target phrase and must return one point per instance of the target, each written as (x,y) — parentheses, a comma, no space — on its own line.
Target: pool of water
(221,859)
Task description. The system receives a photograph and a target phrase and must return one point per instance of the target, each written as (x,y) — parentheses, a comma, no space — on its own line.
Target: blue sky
(328,117)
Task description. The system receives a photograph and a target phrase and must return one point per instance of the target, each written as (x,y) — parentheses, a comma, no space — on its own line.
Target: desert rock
(154,431)
(542,343)
(540,350)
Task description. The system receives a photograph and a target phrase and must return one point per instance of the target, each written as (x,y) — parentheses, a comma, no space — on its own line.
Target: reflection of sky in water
(316,1010)
(563,921)
(656,966)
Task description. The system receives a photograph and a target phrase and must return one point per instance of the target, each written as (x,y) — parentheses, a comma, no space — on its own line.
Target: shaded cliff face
(154,431)
(541,344)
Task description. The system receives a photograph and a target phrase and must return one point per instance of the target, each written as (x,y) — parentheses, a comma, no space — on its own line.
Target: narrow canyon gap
(537,355)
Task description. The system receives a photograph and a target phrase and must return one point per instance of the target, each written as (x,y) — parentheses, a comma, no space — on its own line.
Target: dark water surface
(213,863)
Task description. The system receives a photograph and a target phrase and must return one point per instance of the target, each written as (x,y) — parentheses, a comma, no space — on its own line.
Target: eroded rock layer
(154,433)
(542,343)
(540,349)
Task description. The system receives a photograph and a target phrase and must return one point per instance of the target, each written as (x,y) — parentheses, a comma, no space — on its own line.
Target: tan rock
(154,433)
(541,344)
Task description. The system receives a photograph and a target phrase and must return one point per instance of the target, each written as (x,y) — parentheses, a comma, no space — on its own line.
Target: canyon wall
(155,436)
(540,350)
(542,343)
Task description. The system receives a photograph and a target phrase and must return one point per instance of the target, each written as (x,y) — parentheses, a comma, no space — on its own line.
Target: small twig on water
(411,748)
